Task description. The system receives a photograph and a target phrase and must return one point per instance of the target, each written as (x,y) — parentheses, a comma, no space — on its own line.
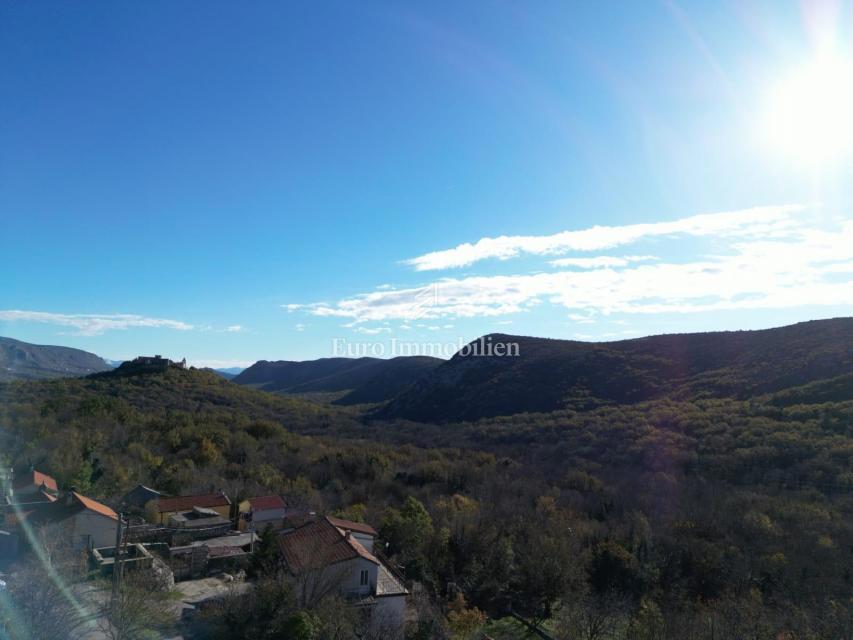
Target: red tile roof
(185,503)
(319,544)
(265,503)
(35,478)
(349,525)
(94,505)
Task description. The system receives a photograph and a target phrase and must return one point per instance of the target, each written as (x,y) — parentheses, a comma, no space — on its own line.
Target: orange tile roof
(320,543)
(94,505)
(35,478)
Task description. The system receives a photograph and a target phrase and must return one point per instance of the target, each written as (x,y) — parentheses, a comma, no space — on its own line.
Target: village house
(82,522)
(33,486)
(330,555)
(262,512)
(364,533)
(218,502)
(136,499)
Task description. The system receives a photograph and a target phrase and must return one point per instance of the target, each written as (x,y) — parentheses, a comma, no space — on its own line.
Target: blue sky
(231,182)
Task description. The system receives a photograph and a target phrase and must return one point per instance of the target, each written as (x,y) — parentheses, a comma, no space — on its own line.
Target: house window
(364,577)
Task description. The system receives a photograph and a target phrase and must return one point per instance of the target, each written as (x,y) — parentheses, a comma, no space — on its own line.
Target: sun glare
(810,112)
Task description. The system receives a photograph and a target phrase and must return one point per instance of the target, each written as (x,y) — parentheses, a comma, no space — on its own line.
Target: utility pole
(116,566)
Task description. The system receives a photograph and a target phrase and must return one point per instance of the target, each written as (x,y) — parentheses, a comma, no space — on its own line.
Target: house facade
(80,521)
(261,512)
(92,526)
(328,556)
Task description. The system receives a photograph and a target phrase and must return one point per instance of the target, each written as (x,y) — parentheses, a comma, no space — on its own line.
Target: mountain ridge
(26,361)
(551,374)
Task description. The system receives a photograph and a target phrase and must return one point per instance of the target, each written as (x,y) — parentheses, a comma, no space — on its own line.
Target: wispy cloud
(85,324)
(600,262)
(756,222)
(370,331)
(803,265)
(235,328)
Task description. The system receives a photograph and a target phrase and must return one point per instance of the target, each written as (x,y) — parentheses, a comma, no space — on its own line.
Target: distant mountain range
(546,375)
(22,360)
(555,374)
(229,373)
(366,380)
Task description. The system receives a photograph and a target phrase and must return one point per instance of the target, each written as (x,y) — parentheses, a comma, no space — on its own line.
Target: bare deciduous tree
(42,604)
(593,617)
(139,609)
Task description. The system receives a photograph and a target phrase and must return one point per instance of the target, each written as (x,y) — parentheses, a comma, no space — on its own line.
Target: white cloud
(92,324)
(600,262)
(300,326)
(370,331)
(803,266)
(235,328)
(580,318)
(756,222)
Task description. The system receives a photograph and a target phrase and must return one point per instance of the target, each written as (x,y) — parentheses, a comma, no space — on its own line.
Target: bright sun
(810,113)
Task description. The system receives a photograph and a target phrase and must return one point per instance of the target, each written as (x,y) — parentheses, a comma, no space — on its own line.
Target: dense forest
(673,517)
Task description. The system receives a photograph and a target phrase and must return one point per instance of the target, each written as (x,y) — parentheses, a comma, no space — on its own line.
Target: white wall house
(82,522)
(262,511)
(93,530)
(330,554)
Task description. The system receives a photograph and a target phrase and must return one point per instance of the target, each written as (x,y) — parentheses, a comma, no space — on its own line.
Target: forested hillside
(666,518)
(548,375)
(363,380)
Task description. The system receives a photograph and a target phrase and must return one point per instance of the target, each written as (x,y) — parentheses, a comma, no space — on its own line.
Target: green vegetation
(703,518)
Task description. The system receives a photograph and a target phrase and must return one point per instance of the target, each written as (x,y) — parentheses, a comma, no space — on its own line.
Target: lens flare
(809,116)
